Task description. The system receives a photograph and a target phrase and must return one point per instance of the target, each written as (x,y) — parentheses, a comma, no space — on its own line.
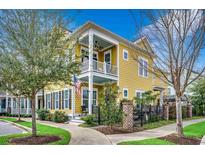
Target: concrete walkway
(8,129)
(79,135)
(152,133)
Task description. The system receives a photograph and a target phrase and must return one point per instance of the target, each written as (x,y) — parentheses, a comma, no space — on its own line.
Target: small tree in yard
(177,40)
(110,110)
(35,51)
(198,97)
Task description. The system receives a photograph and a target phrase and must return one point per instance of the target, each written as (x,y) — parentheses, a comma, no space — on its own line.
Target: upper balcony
(100,55)
(100,67)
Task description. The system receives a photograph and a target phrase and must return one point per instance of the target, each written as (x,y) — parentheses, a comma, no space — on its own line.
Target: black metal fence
(147,113)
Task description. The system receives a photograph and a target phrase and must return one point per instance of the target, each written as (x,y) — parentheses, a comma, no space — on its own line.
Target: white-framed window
(143,67)
(85,96)
(125,54)
(48,101)
(139,93)
(67,96)
(125,93)
(56,100)
(22,102)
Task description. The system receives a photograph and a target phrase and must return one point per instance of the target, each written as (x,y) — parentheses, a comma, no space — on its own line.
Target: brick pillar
(166,111)
(127,107)
(189,112)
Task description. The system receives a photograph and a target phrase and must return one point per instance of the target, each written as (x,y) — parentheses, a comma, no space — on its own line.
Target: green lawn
(154,141)
(41,130)
(195,130)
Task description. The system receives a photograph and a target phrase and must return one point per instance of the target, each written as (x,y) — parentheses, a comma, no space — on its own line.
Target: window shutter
(59,97)
(51,101)
(70,99)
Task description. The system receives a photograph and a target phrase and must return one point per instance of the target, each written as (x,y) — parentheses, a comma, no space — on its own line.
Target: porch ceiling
(98,42)
(97,79)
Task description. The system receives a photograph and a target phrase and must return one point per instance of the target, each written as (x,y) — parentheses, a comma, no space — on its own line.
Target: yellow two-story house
(107,58)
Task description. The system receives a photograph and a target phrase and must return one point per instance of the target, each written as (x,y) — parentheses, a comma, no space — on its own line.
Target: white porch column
(36,103)
(28,106)
(161,98)
(90,77)
(7,100)
(12,105)
(73,102)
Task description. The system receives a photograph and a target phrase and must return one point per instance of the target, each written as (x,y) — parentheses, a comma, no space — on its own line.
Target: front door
(107,59)
(85,98)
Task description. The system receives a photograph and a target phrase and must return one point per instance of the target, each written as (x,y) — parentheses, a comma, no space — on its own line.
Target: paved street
(7,128)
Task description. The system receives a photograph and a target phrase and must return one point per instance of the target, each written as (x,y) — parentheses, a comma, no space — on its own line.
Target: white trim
(48,93)
(139,91)
(107,76)
(106,52)
(57,100)
(105,37)
(118,65)
(144,59)
(69,88)
(86,88)
(125,51)
(127,92)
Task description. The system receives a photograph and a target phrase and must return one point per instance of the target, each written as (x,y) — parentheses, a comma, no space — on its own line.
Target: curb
(203,141)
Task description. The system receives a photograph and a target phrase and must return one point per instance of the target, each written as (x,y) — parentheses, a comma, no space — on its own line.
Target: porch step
(76,121)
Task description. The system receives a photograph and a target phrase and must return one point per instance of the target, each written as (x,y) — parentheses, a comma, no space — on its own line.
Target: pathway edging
(203,141)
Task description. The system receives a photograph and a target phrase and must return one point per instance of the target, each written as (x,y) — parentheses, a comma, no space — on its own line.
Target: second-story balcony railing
(100,67)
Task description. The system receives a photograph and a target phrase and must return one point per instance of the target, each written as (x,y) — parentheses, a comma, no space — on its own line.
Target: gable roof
(89,25)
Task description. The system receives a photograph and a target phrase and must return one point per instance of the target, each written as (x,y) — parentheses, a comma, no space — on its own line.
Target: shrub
(59,116)
(49,116)
(42,114)
(89,119)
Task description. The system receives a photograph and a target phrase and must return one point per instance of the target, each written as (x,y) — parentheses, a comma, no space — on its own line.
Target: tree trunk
(179,123)
(19,109)
(33,108)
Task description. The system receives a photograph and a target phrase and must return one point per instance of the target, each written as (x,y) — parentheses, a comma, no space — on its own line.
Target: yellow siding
(128,73)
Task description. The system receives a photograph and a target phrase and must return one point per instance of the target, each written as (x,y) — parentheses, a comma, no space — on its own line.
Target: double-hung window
(143,67)
(68,98)
(125,93)
(139,93)
(48,100)
(56,100)
(125,54)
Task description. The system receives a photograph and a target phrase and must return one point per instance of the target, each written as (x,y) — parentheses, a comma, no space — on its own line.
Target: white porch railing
(100,67)
(22,110)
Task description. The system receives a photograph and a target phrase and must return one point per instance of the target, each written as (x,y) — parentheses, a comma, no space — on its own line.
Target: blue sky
(120,22)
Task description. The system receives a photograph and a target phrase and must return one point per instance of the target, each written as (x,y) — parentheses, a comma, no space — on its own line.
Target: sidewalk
(152,133)
(79,135)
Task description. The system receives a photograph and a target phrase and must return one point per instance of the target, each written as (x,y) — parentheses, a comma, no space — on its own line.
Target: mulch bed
(181,140)
(114,130)
(34,140)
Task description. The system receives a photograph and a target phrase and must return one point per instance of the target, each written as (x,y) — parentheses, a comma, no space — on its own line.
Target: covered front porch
(100,63)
